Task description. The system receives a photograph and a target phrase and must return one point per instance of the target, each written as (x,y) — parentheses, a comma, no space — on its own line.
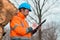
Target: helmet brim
(25,8)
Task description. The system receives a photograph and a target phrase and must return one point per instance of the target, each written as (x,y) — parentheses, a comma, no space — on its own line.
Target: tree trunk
(40,27)
(1,32)
(7,11)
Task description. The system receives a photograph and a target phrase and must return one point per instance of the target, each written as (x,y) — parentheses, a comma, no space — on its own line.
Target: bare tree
(38,9)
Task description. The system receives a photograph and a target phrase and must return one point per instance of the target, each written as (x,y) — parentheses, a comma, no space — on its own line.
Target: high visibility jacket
(18,26)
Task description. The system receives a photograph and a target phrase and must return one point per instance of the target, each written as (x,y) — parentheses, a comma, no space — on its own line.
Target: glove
(29,29)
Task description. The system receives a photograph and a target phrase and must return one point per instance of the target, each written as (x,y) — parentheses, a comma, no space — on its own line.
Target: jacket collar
(21,15)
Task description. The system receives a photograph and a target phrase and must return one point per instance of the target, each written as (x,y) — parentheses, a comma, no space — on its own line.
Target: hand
(34,25)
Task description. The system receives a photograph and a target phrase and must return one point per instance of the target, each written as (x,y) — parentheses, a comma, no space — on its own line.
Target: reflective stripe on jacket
(18,26)
(19,38)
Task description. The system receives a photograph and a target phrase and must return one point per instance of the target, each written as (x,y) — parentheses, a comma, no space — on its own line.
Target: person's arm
(18,28)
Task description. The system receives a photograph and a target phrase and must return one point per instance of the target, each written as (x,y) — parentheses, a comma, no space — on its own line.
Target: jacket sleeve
(18,29)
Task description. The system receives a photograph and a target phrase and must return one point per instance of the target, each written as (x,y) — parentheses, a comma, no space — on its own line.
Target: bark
(7,10)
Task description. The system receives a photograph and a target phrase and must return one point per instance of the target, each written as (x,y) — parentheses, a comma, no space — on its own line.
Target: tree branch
(49,7)
(33,18)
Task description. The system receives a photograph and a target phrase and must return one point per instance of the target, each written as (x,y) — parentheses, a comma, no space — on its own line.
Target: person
(20,29)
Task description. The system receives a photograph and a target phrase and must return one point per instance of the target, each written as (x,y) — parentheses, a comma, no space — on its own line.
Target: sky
(53,14)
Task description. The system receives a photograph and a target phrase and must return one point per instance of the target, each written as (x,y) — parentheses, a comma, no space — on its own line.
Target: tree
(7,10)
(40,7)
